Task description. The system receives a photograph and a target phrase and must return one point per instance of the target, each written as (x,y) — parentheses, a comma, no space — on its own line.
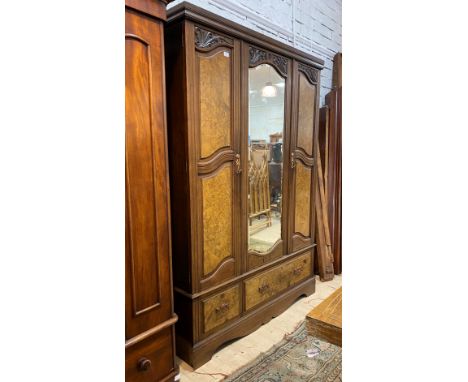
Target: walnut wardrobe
(149,311)
(242,116)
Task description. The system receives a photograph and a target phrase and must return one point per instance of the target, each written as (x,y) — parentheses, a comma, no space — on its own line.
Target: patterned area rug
(289,361)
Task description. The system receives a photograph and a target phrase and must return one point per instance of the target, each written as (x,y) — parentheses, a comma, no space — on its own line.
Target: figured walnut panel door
(148,283)
(301,159)
(216,152)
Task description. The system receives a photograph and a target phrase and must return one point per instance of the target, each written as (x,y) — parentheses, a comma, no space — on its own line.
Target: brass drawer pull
(144,364)
(223,308)
(262,289)
(298,270)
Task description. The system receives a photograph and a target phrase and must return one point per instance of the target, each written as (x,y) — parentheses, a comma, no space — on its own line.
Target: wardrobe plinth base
(196,355)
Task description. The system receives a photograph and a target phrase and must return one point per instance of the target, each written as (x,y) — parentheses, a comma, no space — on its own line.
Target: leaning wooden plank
(325,266)
(333,182)
(324,255)
(337,76)
(323,200)
(323,128)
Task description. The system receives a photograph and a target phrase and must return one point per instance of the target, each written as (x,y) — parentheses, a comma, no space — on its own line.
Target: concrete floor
(246,349)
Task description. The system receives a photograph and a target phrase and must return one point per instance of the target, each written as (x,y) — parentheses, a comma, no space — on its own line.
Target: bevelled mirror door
(265,157)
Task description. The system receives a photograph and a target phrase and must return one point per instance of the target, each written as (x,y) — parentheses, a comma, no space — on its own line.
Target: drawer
(151,359)
(221,308)
(267,284)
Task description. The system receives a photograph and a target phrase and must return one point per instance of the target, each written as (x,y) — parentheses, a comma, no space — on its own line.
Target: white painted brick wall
(313,26)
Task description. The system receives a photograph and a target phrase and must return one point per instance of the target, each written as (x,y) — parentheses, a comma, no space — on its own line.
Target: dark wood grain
(149,313)
(147,361)
(210,277)
(333,102)
(337,70)
(147,202)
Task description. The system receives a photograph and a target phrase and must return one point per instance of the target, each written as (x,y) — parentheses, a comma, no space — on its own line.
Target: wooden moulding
(151,7)
(199,15)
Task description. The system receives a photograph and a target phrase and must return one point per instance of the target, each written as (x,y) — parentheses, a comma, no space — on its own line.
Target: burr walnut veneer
(223,289)
(149,313)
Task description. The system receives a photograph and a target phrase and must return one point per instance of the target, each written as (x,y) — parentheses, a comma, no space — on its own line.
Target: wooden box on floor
(224,290)
(324,321)
(149,313)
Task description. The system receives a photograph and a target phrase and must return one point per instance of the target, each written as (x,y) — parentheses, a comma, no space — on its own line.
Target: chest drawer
(221,308)
(151,359)
(267,284)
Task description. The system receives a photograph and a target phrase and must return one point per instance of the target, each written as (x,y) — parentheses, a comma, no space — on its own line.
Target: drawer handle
(262,289)
(144,364)
(298,271)
(223,308)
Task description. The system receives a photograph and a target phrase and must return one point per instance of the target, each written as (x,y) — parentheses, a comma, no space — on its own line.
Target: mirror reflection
(266,123)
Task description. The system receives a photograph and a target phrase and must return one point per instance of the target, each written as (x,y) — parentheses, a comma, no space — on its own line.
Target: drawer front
(221,308)
(150,360)
(260,288)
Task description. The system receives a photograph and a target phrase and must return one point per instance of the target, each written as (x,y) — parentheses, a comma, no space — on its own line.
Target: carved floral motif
(259,56)
(256,55)
(311,73)
(205,39)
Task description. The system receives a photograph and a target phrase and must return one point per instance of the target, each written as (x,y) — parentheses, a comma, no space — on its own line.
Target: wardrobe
(149,311)
(242,117)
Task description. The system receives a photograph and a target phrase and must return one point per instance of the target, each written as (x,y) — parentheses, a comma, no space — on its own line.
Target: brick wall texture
(313,26)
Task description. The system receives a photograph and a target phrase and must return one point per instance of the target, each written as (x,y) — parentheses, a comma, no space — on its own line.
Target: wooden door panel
(216,149)
(303,200)
(148,296)
(217,219)
(306,115)
(302,157)
(215,101)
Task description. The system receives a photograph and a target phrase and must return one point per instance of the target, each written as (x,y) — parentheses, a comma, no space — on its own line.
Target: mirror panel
(265,155)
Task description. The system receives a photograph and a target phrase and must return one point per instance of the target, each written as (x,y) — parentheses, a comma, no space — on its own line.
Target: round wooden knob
(144,364)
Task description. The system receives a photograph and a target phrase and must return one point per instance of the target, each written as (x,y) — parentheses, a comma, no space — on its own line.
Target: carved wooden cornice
(310,73)
(259,56)
(205,39)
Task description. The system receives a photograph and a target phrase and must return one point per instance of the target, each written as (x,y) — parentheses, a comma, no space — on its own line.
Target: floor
(263,239)
(241,352)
